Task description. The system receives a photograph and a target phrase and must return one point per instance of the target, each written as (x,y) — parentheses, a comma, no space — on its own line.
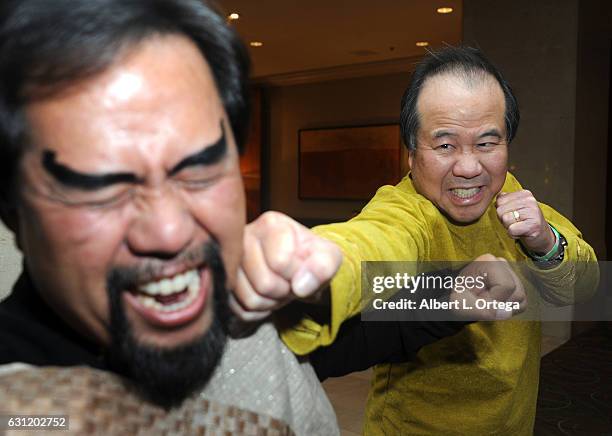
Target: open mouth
(170,294)
(466,193)
(172,301)
(466,196)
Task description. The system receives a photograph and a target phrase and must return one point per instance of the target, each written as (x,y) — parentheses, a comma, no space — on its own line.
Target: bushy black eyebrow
(75,179)
(209,155)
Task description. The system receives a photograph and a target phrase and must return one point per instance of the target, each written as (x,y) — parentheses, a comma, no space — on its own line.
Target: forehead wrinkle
(446,103)
(152,129)
(162,104)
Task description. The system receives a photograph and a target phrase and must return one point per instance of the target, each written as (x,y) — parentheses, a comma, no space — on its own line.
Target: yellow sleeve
(576,278)
(392,226)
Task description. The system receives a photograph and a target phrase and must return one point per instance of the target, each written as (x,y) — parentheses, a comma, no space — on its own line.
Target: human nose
(164,226)
(467,165)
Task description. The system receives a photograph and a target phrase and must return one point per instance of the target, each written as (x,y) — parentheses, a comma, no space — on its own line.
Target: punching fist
(501,284)
(282,261)
(522,217)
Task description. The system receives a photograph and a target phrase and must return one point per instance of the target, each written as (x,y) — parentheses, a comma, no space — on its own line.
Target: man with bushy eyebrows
(121,124)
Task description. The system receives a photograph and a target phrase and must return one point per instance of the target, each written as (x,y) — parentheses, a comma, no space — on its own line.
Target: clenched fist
(282,261)
(522,217)
(501,285)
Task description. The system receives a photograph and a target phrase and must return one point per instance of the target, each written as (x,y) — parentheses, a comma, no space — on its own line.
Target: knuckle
(244,301)
(327,270)
(270,219)
(249,302)
(333,254)
(252,301)
(279,262)
(268,285)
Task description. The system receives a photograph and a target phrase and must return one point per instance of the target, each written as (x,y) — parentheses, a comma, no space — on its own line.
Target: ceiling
(320,34)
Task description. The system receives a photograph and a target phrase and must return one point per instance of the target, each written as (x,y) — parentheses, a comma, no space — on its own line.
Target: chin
(169,339)
(466,217)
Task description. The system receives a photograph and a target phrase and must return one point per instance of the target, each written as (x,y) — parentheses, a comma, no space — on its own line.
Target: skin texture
(143,117)
(530,228)
(283,261)
(468,155)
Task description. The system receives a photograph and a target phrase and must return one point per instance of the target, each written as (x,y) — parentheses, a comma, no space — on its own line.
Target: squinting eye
(487,144)
(195,184)
(198,177)
(96,201)
(444,147)
(111,202)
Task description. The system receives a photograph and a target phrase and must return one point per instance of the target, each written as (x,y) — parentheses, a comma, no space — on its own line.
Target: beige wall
(350,102)
(534,45)
(555,53)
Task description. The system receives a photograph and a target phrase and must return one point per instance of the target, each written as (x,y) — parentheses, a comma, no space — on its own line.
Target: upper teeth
(465,193)
(178,283)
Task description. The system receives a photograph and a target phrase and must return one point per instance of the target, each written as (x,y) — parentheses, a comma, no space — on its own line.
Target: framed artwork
(348,163)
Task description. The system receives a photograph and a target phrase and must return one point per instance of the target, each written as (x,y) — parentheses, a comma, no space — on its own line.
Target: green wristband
(552,253)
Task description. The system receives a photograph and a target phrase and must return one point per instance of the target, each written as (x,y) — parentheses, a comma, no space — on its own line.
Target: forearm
(363,344)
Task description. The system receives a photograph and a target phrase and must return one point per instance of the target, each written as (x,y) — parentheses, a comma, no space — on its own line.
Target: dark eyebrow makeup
(210,155)
(75,179)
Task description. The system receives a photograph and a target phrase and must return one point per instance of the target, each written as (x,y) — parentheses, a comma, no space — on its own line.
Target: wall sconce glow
(256,43)
(444,10)
(233,16)
(422,44)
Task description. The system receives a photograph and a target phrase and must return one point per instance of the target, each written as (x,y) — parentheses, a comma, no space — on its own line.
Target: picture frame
(348,163)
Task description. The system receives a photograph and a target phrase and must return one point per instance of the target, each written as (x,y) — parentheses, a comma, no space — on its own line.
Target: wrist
(546,254)
(554,256)
(537,249)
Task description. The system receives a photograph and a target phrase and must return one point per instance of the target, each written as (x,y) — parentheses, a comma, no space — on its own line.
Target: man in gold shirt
(457,203)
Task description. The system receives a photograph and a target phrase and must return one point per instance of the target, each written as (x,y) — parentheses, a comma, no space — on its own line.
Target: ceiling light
(422,44)
(444,10)
(233,16)
(256,43)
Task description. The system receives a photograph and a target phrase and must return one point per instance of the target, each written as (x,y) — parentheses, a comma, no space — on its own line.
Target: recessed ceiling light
(256,43)
(444,10)
(233,16)
(422,44)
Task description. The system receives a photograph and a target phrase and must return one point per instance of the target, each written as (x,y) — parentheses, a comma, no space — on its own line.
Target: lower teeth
(152,303)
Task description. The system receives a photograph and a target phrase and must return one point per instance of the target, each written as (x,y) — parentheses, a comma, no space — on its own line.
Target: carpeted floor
(576,387)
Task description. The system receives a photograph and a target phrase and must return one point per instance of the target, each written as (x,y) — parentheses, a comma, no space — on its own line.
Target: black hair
(466,62)
(47,45)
